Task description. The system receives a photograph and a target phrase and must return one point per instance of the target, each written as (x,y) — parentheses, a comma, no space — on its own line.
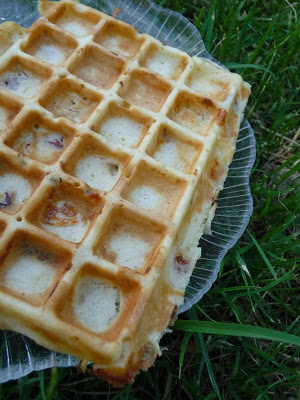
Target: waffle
(113,150)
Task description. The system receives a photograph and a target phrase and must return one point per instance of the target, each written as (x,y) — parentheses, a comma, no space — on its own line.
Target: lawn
(258,284)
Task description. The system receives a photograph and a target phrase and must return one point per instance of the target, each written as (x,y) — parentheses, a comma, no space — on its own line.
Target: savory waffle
(113,150)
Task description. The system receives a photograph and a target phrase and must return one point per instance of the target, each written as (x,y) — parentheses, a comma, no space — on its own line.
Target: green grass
(258,285)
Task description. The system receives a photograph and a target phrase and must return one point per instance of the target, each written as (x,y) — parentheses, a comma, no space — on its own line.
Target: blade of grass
(230,329)
(236,365)
(42,384)
(184,344)
(203,312)
(261,252)
(52,384)
(234,65)
(285,278)
(199,18)
(274,233)
(210,371)
(263,40)
(208,24)
(232,23)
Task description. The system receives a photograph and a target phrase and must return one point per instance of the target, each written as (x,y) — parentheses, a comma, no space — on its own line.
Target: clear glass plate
(20,355)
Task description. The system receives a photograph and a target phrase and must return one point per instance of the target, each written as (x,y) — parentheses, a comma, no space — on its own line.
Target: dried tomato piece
(116,12)
(5,200)
(59,144)
(60,215)
(174,316)
(214,170)
(147,356)
(221,116)
(181,264)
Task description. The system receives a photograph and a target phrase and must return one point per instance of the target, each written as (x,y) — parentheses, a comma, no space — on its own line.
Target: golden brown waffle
(113,149)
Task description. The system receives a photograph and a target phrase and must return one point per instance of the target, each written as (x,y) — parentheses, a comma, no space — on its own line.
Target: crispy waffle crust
(113,149)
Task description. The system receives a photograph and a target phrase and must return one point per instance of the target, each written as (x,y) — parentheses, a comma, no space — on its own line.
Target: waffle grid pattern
(82,94)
